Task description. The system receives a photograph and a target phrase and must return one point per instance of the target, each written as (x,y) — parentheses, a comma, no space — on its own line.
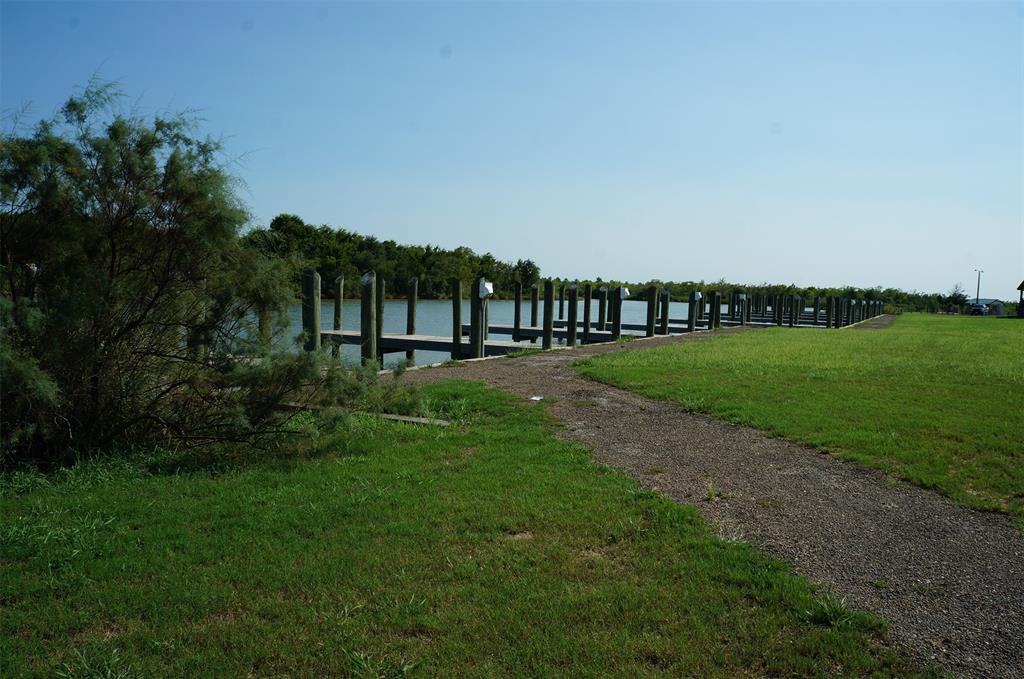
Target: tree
(956,297)
(126,291)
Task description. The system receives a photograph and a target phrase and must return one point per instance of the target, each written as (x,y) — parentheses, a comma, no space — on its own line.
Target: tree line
(337,252)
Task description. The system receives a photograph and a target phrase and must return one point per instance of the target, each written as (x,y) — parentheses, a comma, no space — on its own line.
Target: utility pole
(977,290)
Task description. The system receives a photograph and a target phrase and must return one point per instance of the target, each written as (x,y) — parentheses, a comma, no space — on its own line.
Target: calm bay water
(434,317)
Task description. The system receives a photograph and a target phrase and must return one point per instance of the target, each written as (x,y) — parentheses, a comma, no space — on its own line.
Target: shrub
(129,301)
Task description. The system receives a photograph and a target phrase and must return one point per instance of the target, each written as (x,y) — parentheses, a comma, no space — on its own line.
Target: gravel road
(949,579)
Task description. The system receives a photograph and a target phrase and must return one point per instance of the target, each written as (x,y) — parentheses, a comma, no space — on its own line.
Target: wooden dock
(397,342)
(472,340)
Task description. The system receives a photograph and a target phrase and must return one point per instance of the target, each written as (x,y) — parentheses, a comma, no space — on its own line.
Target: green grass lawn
(935,400)
(486,548)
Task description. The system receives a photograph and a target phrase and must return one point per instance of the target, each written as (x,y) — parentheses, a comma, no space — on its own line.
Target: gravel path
(949,579)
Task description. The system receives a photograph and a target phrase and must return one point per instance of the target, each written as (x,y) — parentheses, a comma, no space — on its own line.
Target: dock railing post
(410,314)
(368,317)
(311,309)
(570,337)
(612,291)
(792,310)
(700,309)
(741,307)
(652,309)
(456,318)
(517,312)
(477,316)
(615,310)
(485,291)
(602,307)
(380,321)
(561,301)
(691,311)
(817,309)
(732,305)
(534,303)
(666,302)
(588,293)
(549,313)
(339,312)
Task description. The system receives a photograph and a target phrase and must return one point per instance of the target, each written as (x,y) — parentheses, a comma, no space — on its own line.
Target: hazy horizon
(820,144)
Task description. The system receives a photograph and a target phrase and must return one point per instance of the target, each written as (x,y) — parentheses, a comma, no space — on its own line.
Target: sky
(819,144)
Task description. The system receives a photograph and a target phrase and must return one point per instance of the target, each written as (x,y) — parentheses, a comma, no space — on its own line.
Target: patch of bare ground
(949,579)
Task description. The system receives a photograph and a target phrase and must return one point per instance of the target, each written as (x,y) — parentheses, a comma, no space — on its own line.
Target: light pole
(977,290)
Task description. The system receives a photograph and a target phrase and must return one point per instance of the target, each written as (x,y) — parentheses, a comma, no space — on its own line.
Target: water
(434,317)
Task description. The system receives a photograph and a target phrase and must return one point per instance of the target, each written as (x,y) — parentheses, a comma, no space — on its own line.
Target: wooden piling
(265,328)
(456,318)
(652,310)
(602,307)
(817,308)
(368,317)
(534,294)
(717,302)
(549,309)
(410,313)
(615,311)
(588,293)
(311,309)
(666,302)
(570,335)
(561,301)
(339,312)
(611,306)
(691,311)
(380,320)
(517,312)
(476,320)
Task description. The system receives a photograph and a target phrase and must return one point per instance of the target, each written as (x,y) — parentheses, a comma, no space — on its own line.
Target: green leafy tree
(126,291)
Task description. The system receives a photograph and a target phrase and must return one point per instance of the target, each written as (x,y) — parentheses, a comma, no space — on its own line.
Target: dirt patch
(953,577)
(876,323)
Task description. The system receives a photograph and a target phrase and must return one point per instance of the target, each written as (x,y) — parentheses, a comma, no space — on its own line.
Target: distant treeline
(338,252)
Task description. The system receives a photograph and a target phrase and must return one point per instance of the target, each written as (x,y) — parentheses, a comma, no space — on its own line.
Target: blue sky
(820,143)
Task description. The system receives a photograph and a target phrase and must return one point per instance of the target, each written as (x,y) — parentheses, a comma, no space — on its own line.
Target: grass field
(935,400)
(380,549)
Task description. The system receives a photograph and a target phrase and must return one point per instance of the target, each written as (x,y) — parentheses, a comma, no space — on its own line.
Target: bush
(129,301)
